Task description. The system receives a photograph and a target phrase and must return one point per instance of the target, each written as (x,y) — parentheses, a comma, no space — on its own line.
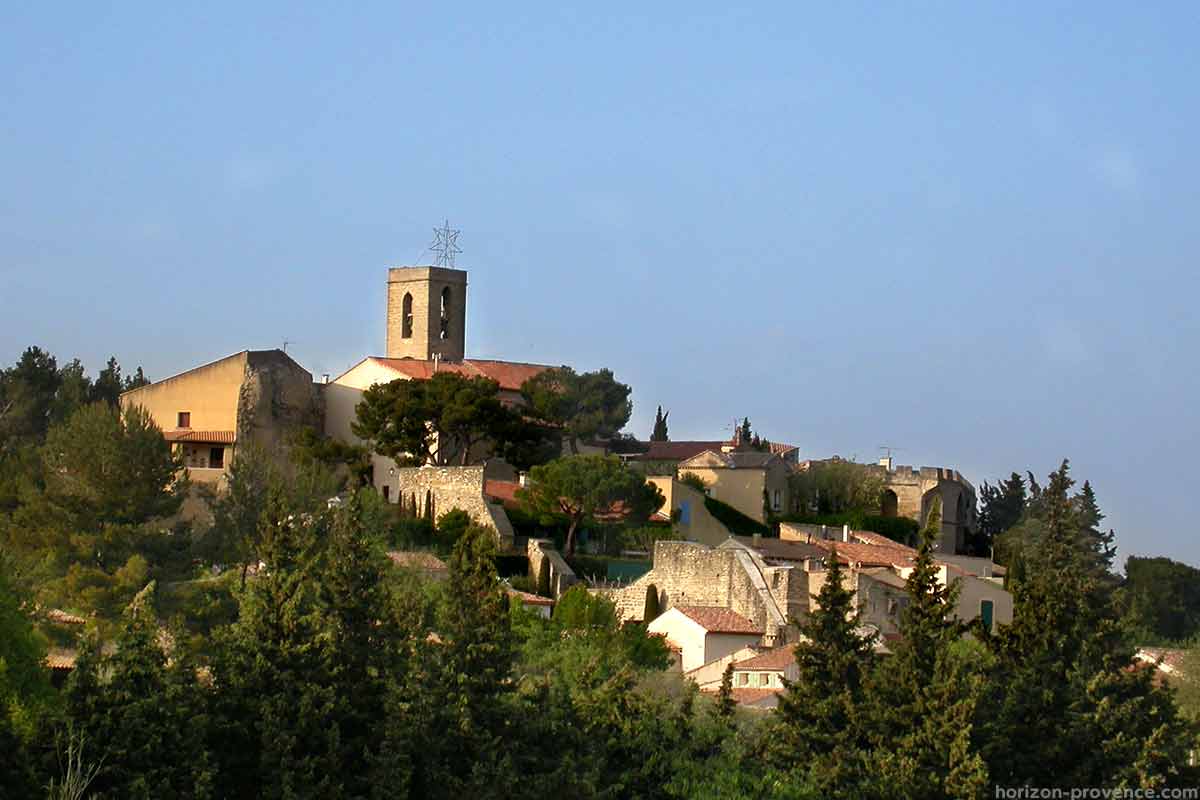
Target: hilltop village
(435,576)
(726,558)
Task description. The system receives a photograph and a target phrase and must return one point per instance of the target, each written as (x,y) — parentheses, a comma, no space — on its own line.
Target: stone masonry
(426,286)
(453,487)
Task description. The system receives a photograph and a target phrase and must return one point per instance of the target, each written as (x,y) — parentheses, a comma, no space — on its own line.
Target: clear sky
(967,232)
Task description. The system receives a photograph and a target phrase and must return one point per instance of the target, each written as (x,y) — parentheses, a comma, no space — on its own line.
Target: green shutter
(985,611)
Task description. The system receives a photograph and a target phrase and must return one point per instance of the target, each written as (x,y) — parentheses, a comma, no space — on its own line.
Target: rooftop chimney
(846,533)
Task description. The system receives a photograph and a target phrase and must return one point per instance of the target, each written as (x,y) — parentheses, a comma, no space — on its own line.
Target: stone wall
(452,487)
(425,285)
(691,574)
(915,490)
(562,577)
(276,398)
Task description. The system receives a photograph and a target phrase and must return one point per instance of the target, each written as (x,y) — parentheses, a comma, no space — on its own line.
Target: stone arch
(447,298)
(406,317)
(889,505)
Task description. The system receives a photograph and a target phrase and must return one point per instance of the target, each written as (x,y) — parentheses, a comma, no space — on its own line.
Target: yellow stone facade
(426,313)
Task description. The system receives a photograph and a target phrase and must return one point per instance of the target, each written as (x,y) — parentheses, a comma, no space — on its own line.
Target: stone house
(752,481)
(210,411)
(910,492)
(704,633)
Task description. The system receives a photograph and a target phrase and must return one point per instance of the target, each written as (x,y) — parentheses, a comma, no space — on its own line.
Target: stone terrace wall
(454,487)
(562,577)
(691,574)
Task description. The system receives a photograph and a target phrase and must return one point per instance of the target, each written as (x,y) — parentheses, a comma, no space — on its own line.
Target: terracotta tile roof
(869,555)
(204,437)
(529,599)
(676,451)
(1167,660)
(746,695)
(715,619)
(504,491)
(64,618)
(509,374)
(779,448)
(774,549)
(61,659)
(416,560)
(886,576)
(739,459)
(777,659)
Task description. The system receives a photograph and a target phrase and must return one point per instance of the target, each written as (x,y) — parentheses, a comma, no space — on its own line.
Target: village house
(704,633)
(207,413)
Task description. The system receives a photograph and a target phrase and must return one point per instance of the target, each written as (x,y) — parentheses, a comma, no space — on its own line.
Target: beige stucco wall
(425,284)
(209,393)
(698,525)
(719,645)
(684,633)
(743,488)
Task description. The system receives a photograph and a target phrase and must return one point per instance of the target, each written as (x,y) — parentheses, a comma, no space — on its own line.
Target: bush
(411,532)
(451,526)
(693,480)
(737,522)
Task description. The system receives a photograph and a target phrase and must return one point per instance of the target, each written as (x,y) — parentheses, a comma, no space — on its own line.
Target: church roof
(509,374)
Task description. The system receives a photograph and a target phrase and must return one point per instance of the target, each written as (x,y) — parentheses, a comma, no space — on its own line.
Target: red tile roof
(61,659)
(677,451)
(529,599)
(205,437)
(509,374)
(63,617)
(504,491)
(869,555)
(745,695)
(777,659)
(715,619)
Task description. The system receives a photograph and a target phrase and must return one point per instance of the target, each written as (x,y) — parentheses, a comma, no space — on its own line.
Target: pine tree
(816,726)
(659,434)
(923,698)
(1066,707)
(142,715)
(1101,546)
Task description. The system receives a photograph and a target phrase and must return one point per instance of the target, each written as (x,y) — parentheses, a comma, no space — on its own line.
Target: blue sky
(965,231)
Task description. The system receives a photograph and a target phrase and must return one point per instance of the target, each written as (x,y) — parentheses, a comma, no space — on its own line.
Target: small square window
(744,679)
(185,419)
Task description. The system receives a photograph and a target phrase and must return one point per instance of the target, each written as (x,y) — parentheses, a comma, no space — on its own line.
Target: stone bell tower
(426,313)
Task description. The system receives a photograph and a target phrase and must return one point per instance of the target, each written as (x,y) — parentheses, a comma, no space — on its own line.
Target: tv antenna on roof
(445,245)
(888,449)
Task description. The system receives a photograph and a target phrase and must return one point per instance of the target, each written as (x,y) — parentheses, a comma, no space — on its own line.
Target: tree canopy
(577,488)
(584,406)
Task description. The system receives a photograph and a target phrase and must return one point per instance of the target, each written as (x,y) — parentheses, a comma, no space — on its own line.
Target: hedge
(737,522)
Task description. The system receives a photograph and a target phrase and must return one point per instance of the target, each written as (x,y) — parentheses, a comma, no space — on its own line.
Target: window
(764,679)
(446,313)
(185,419)
(216,458)
(387,493)
(744,679)
(777,500)
(406,322)
(986,612)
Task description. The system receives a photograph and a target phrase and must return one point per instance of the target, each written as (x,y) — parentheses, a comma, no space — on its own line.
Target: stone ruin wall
(455,487)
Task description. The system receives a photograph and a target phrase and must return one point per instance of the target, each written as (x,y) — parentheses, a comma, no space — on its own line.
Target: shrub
(693,480)
(451,526)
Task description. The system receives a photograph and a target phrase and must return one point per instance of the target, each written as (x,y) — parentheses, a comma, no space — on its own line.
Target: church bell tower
(426,313)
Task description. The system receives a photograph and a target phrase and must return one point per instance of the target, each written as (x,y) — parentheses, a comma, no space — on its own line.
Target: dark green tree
(590,406)
(651,610)
(136,381)
(109,385)
(1065,707)
(238,512)
(141,716)
(817,729)
(443,420)
(576,488)
(725,704)
(659,434)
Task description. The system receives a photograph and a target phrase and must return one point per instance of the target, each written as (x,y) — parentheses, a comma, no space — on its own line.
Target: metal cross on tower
(445,245)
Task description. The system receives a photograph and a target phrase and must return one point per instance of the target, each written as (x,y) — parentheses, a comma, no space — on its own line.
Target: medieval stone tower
(426,313)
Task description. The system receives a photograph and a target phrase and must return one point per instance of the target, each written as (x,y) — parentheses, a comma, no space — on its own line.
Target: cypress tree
(725,706)
(816,727)
(923,698)
(651,610)
(659,434)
